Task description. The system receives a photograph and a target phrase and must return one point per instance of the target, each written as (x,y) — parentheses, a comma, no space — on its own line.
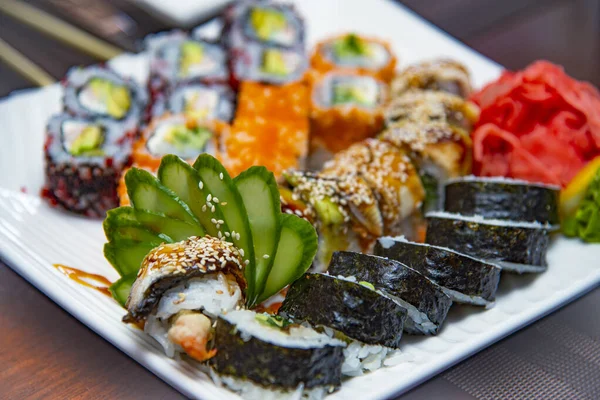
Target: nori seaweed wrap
(426,302)
(355,310)
(465,279)
(515,246)
(502,198)
(270,352)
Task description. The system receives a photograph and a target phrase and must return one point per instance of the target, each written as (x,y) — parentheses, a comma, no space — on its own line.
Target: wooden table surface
(46,353)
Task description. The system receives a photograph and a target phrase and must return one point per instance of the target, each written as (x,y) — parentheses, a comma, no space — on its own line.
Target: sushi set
(282,214)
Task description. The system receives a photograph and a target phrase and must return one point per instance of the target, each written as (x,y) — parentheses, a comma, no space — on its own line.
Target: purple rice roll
(84,159)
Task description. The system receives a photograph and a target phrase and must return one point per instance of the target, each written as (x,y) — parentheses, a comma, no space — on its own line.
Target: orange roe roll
(346,108)
(290,101)
(277,144)
(362,54)
(177,134)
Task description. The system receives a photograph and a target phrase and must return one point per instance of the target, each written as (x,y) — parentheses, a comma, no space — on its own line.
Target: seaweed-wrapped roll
(179,135)
(465,279)
(97,91)
(502,198)
(356,310)
(260,351)
(84,158)
(426,302)
(181,288)
(516,246)
(176,58)
(263,22)
(350,51)
(439,75)
(197,101)
(346,108)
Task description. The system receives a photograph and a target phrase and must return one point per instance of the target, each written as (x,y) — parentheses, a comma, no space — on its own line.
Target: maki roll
(355,310)
(516,246)
(179,135)
(198,101)
(259,351)
(439,75)
(268,64)
(274,143)
(426,303)
(100,92)
(176,58)
(346,108)
(389,173)
(344,211)
(433,128)
(350,51)
(263,22)
(465,279)
(502,198)
(180,290)
(84,158)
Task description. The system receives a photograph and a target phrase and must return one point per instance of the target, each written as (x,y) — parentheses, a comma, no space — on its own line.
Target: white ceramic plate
(33,236)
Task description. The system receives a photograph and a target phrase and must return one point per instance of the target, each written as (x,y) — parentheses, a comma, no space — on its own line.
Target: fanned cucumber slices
(202,199)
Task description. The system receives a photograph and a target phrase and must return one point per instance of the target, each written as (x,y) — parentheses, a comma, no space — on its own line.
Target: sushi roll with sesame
(176,58)
(180,290)
(344,210)
(439,75)
(260,355)
(264,22)
(197,101)
(354,52)
(356,310)
(97,91)
(425,301)
(516,246)
(268,64)
(177,134)
(502,198)
(84,158)
(433,128)
(390,174)
(346,108)
(464,278)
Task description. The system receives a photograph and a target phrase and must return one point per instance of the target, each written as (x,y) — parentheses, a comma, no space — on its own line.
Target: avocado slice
(183,137)
(147,193)
(216,180)
(295,252)
(349,94)
(258,189)
(266,21)
(88,142)
(126,256)
(116,98)
(184,181)
(274,63)
(191,53)
(350,46)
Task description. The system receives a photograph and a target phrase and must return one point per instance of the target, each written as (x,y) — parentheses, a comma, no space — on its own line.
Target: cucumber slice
(147,193)
(121,224)
(258,189)
(176,229)
(184,181)
(121,288)
(126,256)
(295,253)
(218,182)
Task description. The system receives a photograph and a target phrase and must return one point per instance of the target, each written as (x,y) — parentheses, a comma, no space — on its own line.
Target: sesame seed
(209,197)
(215,200)
(224,203)
(221,176)
(227,234)
(204,208)
(201,185)
(265,256)
(212,209)
(214,221)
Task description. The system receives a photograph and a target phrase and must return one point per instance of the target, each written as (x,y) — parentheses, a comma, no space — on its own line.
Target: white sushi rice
(489,221)
(213,294)
(501,179)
